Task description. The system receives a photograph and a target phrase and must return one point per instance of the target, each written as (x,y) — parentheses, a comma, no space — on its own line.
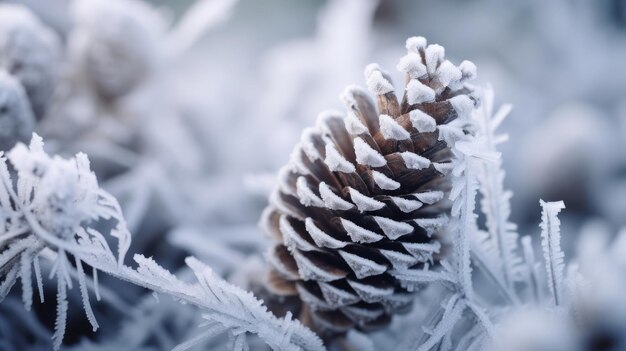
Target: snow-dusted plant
(352,257)
(53,209)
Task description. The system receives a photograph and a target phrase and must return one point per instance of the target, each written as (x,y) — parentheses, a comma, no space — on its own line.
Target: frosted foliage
(551,243)
(399,203)
(51,212)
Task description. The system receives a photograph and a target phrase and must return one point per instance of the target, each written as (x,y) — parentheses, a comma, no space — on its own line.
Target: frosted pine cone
(361,204)
(29,51)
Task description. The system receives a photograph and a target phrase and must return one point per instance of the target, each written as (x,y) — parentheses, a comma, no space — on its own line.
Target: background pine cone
(363,197)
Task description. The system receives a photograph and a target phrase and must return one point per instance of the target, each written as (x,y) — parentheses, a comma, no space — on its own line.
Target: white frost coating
(406,205)
(429,197)
(362,267)
(443,168)
(399,260)
(291,238)
(370,293)
(336,297)
(296,162)
(411,65)
(414,161)
(307,144)
(552,253)
(450,134)
(377,83)
(366,155)
(279,265)
(398,300)
(462,104)
(431,224)
(468,69)
(336,162)
(422,121)
(414,44)
(417,92)
(283,179)
(434,54)
(306,195)
(359,234)
(364,203)
(448,73)
(310,271)
(347,96)
(325,117)
(372,67)
(332,200)
(311,299)
(423,252)
(320,237)
(391,129)
(393,229)
(354,125)
(384,182)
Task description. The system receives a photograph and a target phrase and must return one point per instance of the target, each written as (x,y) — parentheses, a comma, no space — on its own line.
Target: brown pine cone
(363,198)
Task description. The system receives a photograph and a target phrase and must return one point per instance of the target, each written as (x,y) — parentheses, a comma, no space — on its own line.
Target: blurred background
(192,149)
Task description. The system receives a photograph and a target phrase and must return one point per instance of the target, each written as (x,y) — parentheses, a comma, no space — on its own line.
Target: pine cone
(29,51)
(363,198)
